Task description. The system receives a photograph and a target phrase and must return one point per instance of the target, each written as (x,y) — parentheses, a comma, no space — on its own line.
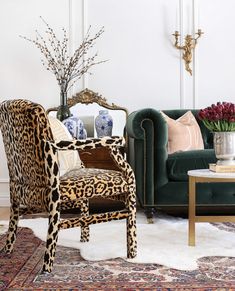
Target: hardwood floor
(4,213)
(97,205)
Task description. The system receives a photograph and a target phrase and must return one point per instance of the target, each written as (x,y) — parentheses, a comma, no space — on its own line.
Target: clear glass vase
(63,111)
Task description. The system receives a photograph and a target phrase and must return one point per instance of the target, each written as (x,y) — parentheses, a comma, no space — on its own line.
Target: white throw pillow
(69,159)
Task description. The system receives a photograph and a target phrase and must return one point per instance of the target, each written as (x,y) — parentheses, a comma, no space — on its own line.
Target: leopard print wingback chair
(35,184)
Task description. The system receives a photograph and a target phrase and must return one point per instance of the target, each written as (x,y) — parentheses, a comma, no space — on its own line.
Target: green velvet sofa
(162,181)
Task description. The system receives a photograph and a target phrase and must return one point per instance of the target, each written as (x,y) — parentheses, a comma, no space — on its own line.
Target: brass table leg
(192,205)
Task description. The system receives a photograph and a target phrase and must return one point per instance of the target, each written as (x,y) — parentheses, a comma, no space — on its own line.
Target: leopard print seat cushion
(78,183)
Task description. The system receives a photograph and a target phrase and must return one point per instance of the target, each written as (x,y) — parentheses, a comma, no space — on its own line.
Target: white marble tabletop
(206,173)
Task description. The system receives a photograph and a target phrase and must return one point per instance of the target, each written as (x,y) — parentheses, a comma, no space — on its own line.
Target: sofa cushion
(179,163)
(208,194)
(184,133)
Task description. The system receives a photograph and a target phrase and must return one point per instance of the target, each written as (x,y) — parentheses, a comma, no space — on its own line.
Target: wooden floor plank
(4,213)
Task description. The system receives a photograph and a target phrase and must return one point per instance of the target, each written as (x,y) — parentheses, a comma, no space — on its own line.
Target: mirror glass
(86,106)
(88,112)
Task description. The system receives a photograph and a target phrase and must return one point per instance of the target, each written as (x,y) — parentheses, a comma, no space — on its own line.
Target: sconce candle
(188,47)
(177,19)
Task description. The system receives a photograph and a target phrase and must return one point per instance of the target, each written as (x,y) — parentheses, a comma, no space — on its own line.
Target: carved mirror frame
(88,96)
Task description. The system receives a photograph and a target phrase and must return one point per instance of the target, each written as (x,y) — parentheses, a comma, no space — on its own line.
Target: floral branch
(67,69)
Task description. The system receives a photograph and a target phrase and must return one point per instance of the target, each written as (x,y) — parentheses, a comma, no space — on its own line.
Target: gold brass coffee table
(204,176)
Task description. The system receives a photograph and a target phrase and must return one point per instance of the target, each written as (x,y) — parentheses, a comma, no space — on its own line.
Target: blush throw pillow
(184,133)
(69,159)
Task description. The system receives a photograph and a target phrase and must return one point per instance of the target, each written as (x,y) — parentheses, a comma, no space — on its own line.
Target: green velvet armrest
(147,131)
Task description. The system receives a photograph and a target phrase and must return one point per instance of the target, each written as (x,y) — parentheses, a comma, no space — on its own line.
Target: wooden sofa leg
(149,211)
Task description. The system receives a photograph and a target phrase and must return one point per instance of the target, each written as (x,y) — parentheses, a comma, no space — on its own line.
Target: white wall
(144,68)
(216,53)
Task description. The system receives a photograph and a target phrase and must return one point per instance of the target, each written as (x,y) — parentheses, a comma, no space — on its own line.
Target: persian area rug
(164,242)
(21,271)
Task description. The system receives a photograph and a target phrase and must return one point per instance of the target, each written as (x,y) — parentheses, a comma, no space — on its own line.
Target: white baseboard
(4,193)
(4,200)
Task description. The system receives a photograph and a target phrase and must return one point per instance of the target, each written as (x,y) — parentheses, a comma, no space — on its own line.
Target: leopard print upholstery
(88,182)
(35,184)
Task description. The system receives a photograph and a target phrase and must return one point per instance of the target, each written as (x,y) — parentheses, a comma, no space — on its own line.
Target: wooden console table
(97,158)
(204,176)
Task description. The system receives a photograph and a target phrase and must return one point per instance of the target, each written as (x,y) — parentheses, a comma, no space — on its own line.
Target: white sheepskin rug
(165,242)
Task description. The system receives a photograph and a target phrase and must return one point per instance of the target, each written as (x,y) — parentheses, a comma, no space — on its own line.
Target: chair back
(24,125)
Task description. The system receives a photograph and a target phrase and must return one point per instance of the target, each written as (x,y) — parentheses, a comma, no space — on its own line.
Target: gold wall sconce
(188,47)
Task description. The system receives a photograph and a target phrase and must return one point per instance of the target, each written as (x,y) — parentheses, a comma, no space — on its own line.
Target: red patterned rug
(21,271)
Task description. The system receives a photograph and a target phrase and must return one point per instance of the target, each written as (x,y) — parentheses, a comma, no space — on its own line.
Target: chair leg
(13,223)
(131,226)
(85,230)
(52,237)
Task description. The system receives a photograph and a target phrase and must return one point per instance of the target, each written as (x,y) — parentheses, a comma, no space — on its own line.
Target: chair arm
(113,143)
(92,143)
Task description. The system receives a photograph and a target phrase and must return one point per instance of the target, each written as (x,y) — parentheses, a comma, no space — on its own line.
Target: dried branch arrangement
(67,69)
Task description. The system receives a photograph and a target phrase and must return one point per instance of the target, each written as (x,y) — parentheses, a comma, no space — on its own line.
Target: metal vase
(224,145)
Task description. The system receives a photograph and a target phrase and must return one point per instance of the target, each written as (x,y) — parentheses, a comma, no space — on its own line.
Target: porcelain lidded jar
(76,127)
(104,124)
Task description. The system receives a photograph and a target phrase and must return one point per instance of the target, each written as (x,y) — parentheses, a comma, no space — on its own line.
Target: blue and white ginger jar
(104,124)
(76,127)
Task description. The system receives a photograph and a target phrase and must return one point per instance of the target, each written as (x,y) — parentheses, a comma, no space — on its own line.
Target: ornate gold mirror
(87,104)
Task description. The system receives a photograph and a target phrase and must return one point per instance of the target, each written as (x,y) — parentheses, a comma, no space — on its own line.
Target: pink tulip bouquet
(219,117)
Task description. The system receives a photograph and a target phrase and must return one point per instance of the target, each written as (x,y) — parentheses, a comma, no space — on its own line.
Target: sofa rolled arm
(135,126)
(148,136)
